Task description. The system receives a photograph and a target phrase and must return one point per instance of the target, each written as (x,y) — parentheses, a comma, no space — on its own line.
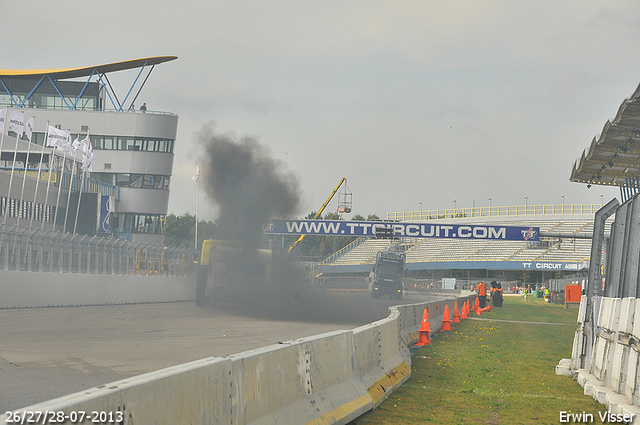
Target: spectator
(482,294)
(143,108)
(547,294)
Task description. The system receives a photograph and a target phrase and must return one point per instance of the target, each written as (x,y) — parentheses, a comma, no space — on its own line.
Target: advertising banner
(403,230)
(106,207)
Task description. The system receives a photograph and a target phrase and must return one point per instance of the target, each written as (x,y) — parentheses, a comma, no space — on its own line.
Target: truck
(386,276)
(227,268)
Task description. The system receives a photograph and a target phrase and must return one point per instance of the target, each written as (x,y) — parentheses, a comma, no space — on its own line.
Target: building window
(120,143)
(147,181)
(141,223)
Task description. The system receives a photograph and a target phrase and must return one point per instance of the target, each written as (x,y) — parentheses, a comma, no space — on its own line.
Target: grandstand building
(127,192)
(564,247)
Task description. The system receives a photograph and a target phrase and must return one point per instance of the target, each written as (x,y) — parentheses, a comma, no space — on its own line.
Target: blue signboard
(404,230)
(106,205)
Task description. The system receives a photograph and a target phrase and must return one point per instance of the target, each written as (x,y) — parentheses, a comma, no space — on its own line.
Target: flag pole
(13,168)
(197,197)
(75,224)
(196,179)
(35,195)
(46,197)
(85,164)
(66,212)
(4,128)
(24,179)
(63,146)
(55,215)
(6,204)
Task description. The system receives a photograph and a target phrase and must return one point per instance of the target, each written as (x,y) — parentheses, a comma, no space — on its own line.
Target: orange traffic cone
(477,304)
(487,308)
(446,320)
(463,315)
(425,332)
(456,313)
(468,307)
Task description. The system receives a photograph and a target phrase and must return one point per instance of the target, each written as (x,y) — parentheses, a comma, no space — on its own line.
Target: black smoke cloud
(246,183)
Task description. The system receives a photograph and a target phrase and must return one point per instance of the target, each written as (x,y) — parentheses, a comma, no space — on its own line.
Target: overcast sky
(412,101)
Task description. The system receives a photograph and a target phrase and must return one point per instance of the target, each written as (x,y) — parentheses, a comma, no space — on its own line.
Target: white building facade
(133,153)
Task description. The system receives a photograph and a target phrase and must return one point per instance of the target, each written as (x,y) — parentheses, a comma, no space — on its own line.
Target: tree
(180,230)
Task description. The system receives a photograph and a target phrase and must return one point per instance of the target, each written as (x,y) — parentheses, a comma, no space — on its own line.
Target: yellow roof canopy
(59,74)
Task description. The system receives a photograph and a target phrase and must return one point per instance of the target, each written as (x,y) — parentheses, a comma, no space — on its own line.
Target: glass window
(123,180)
(147,181)
(142,223)
(136,180)
(122,143)
(104,177)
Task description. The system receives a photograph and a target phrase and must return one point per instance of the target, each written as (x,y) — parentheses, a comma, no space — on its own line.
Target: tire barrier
(330,378)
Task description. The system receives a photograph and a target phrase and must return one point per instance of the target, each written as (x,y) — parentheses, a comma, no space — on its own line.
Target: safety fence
(605,358)
(325,379)
(29,249)
(515,210)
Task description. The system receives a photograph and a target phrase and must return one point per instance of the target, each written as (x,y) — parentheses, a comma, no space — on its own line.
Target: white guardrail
(325,379)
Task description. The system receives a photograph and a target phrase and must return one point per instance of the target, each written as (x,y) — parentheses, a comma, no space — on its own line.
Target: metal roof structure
(101,71)
(61,74)
(613,159)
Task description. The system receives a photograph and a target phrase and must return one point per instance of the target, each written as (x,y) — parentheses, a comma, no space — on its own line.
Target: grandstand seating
(549,249)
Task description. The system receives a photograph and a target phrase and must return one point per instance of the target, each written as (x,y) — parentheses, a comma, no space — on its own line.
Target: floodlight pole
(195,242)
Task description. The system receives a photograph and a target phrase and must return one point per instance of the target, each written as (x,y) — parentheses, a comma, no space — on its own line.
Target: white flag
(87,155)
(78,144)
(3,116)
(29,127)
(16,122)
(73,147)
(197,176)
(57,138)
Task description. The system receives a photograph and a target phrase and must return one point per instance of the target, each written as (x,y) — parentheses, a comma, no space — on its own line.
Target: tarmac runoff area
(47,353)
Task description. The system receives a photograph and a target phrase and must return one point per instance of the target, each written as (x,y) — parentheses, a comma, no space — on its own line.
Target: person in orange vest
(482,294)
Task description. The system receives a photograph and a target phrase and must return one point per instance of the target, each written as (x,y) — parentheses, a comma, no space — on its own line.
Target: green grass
(492,372)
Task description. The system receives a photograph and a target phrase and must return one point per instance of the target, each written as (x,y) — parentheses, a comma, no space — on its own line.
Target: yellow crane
(344,207)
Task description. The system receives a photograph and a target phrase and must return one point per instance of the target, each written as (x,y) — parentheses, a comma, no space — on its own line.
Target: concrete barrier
(325,379)
(39,289)
(611,375)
